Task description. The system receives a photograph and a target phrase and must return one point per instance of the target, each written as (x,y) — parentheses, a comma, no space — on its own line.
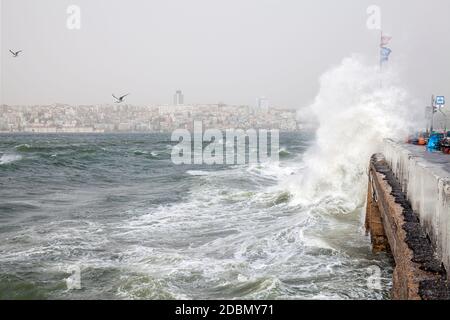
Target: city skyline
(63,118)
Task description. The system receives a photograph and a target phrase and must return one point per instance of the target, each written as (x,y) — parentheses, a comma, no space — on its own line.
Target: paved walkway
(434,157)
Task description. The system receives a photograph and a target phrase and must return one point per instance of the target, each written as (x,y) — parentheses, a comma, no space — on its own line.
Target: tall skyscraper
(178,98)
(263,104)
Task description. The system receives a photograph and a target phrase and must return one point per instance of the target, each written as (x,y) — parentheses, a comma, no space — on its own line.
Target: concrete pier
(425,178)
(408,210)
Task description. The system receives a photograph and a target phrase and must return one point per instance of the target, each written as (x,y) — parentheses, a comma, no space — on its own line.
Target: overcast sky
(230,51)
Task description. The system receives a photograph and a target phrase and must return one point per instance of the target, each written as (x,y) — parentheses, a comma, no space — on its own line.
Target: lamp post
(433,111)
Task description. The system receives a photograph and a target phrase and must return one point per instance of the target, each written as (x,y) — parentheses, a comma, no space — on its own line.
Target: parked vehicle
(434,142)
(418,138)
(445,144)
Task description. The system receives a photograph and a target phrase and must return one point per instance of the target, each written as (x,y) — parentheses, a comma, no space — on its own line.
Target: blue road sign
(440,100)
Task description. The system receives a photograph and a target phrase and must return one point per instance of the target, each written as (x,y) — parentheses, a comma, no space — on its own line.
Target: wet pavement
(435,157)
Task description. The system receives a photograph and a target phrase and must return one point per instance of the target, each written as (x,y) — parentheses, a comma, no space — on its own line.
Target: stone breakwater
(407,214)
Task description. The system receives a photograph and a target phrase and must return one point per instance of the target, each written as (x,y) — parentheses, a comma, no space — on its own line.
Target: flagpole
(379,49)
(384,53)
(381,61)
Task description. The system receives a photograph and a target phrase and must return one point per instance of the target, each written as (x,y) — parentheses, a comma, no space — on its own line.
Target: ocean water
(113,214)
(136,226)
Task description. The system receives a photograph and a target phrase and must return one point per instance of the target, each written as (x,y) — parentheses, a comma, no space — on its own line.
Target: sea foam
(9,158)
(356,108)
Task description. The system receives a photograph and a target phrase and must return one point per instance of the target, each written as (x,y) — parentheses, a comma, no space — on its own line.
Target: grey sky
(214,50)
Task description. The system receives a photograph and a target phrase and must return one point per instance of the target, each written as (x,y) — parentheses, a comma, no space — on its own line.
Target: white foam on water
(198,173)
(356,108)
(23,146)
(9,158)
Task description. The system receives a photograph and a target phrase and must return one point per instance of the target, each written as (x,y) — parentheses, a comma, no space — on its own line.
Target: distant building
(122,118)
(178,98)
(263,104)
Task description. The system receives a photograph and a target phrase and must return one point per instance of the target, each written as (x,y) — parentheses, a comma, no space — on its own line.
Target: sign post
(436,105)
(440,103)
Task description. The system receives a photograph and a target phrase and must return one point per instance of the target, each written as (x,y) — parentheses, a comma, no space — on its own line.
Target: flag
(385,39)
(384,54)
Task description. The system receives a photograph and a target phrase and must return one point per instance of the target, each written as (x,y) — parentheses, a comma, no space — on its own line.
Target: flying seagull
(15,54)
(120,100)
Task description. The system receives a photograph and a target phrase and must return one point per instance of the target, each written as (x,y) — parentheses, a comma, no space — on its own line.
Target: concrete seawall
(408,210)
(425,179)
